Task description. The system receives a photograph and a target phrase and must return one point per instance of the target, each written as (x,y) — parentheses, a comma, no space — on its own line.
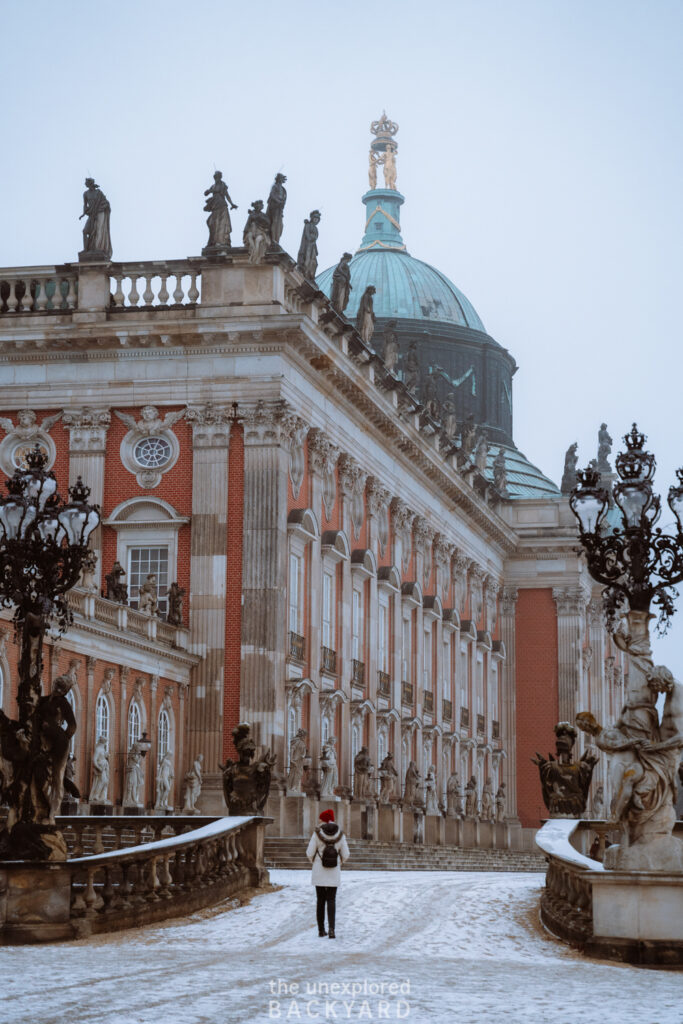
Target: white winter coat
(314,851)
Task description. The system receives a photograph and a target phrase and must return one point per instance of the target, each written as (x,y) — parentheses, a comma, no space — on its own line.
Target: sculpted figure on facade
(100,780)
(341,283)
(116,589)
(604,449)
(328,767)
(500,476)
(298,752)
(148,601)
(569,477)
(431,398)
(193,785)
(256,235)
(501,802)
(87,581)
(431,801)
(481,452)
(390,351)
(599,802)
(453,796)
(218,206)
(468,437)
(164,782)
(411,794)
(362,766)
(150,421)
(411,368)
(56,723)
(276,207)
(365,318)
(471,799)
(307,258)
(449,417)
(96,234)
(246,782)
(134,778)
(174,616)
(372,169)
(487,811)
(388,776)
(390,167)
(565,783)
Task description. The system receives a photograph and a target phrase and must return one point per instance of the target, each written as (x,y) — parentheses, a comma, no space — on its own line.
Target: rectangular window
(406,644)
(357,625)
(328,610)
(480,686)
(383,654)
(464,677)
(294,588)
(494,692)
(427,660)
(144,562)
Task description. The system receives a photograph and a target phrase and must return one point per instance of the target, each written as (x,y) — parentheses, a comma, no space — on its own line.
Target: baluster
(27,298)
(77,901)
(148,296)
(119,297)
(193,293)
(98,845)
(178,294)
(12,300)
(153,882)
(92,901)
(179,870)
(140,885)
(190,867)
(72,293)
(125,888)
(133,297)
(56,300)
(41,294)
(108,889)
(163,291)
(78,842)
(165,878)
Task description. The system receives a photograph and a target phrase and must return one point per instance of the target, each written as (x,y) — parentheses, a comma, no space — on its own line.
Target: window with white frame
(381,748)
(406,645)
(291,725)
(383,634)
(357,624)
(448,667)
(328,609)
(464,676)
(325,730)
(427,660)
(355,743)
(143,562)
(494,692)
(134,731)
(480,685)
(295,567)
(102,717)
(163,734)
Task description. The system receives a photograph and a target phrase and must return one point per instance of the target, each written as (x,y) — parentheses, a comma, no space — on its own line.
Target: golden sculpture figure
(372,169)
(390,167)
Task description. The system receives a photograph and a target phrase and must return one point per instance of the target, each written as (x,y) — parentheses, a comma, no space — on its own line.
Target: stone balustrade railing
(608,913)
(161,283)
(38,290)
(138,885)
(87,605)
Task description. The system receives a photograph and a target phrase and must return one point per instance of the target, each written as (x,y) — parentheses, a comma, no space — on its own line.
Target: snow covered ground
(422,947)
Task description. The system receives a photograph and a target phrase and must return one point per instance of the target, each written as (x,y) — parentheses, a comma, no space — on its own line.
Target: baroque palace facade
(349,567)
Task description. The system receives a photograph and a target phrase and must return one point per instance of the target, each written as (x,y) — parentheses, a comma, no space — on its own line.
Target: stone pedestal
(452,831)
(133,811)
(35,903)
(99,809)
(486,834)
(389,824)
(432,833)
(469,834)
(211,800)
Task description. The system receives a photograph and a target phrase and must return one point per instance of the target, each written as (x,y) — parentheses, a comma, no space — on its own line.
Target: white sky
(540,152)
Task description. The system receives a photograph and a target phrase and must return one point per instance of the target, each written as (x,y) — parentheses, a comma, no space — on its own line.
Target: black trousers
(327,895)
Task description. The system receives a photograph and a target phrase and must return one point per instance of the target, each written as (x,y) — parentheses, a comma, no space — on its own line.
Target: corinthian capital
(351,476)
(569,600)
(322,454)
(268,423)
(87,428)
(377,496)
(210,425)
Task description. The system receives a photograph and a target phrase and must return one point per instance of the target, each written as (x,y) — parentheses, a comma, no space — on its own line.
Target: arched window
(102,719)
(381,748)
(325,730)
(134,723)
(291,724)
(163,734)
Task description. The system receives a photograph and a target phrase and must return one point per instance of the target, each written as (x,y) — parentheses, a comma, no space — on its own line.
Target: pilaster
(571,606)
(508,696)
(210,444)
(88,428)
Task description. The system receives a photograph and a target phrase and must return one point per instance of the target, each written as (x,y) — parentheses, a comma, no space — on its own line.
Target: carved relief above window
(22,437)
(150,448)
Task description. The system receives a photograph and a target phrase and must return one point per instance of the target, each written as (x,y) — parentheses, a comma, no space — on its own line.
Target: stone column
(351,485)
(571,605)
(124,673)
(87,453)
(210,443)
(267,433)
(180,752)
(153,731)
(90,664)
(377,499)
(507,682)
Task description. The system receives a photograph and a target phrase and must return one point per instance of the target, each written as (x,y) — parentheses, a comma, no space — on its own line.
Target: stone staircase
(290,852)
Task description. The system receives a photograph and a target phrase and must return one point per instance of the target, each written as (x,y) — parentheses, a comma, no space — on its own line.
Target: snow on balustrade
(144,285)
(37,290)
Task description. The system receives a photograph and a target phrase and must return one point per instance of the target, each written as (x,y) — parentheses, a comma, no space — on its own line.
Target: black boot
(322,934)
(332,935)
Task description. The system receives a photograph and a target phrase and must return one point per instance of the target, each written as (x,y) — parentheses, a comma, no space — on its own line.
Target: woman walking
(327,851)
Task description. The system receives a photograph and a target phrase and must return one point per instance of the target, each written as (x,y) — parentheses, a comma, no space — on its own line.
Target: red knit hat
(327,816)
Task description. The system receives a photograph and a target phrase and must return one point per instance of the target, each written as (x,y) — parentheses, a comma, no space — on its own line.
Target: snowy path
(468,945)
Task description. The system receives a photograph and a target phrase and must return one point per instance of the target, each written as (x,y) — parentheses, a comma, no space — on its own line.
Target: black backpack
(330,855)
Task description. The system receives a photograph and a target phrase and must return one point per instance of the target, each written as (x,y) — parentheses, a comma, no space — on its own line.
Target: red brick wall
(537,695)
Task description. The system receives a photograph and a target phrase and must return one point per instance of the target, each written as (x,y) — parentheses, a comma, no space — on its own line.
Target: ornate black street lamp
(637,562)
(43,544)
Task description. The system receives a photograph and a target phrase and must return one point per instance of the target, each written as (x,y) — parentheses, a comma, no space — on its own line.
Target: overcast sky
(540,153)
